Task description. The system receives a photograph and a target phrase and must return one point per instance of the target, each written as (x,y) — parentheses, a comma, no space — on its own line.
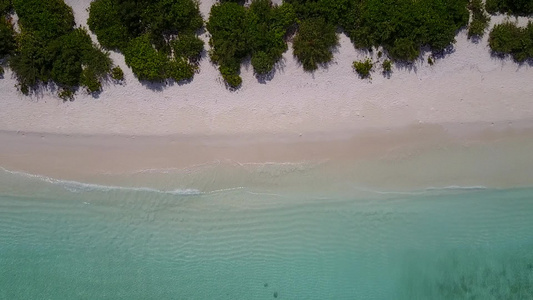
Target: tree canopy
(507,38)
(157,37)
(257,32)
(515,7)
(314,42)
(50,48)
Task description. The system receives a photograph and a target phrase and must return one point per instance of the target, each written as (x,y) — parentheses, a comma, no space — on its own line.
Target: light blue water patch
(236,244)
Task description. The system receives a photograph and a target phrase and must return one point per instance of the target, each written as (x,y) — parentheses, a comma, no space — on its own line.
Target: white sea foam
(457,187)
(76,186)
(431,189)
(300,166)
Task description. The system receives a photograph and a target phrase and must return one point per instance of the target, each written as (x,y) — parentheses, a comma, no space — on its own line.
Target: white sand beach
(468,90)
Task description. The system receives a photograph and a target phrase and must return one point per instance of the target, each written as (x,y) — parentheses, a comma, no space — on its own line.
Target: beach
(303,185)
(467,96)
(468,90)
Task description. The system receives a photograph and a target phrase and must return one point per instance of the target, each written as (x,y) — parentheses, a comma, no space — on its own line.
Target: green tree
(7,37)
(145,61)
(46,19)
(227,25)
(188,45)
(49,48)
(516,7)
(480,19)
(507,38)
(145,29)
(314,42)
(104,21)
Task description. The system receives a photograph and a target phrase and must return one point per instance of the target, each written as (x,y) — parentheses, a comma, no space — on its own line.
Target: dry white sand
(466,86)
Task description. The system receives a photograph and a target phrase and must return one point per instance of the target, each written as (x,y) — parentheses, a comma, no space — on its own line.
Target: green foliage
(105,23)
(181,16)
(117,73)
(403,26)
(179,69)
(404,49)
(2,71)
(262,62)
(5,6)
(188,45)
(333,11)
(145,61)
(30,62)
(515,7)
(7,37)
(266,27)
(363,68)
(73,53)
(65,94)
(90,80)
(149,64)
(480,19)
(227,23)
(50,49)
(257,31)
(387,66)
(314,42)
(46,19)
(231,76)
(507,38)
(430,61)
(141,30)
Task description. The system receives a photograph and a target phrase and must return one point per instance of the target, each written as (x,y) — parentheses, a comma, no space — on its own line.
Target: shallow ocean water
(63,240)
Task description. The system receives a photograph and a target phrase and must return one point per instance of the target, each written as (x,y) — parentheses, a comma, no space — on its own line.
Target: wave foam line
(76,186)
(424,191)
(457,187)
(216,163)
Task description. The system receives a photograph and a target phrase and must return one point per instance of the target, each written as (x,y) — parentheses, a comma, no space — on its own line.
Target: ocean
(70,240)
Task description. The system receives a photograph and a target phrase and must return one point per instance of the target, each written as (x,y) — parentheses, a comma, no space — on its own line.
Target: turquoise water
(61,241)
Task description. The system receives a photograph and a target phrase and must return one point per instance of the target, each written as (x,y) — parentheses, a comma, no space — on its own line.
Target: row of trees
(515,7)
(159,38)
(400,27)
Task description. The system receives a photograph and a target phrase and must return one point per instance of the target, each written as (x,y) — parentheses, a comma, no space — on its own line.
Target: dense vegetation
(257,32)
(50,49)
(480,19)
(157,37)
(507,38)
(400,26)
(515,7)
(314,42)
(7,34)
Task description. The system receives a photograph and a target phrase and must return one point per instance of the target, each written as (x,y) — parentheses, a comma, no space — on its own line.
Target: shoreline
(402,159)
